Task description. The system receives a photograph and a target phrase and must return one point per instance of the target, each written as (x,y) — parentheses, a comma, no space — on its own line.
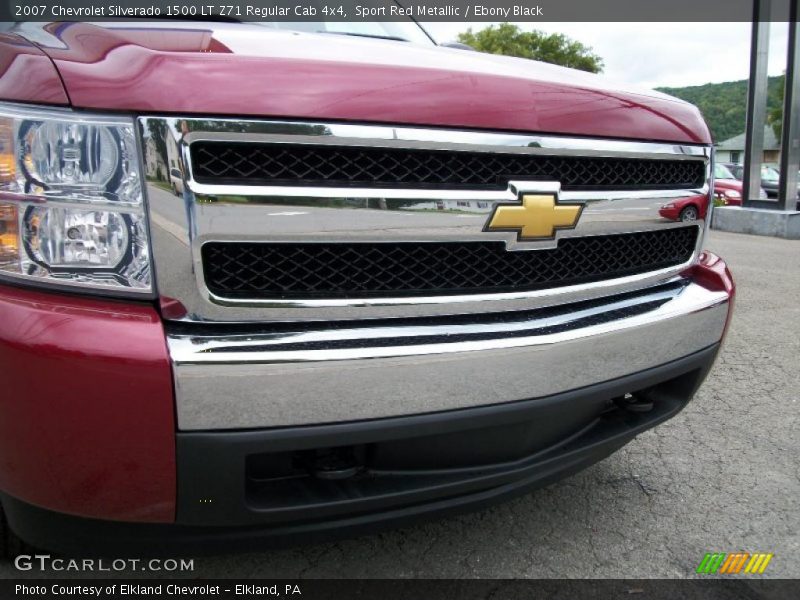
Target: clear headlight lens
(733,194)
(71,206)
(69,154)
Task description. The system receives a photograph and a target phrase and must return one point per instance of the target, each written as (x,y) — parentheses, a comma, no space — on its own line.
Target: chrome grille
(291,221)
(308,270)
(286,164)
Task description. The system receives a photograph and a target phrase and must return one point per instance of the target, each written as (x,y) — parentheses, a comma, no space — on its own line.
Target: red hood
(246,69)
(26,74)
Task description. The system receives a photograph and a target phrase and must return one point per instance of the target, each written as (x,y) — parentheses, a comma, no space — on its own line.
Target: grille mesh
(243,163)
(348,270)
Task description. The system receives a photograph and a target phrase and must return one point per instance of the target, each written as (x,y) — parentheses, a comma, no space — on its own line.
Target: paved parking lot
(724,475)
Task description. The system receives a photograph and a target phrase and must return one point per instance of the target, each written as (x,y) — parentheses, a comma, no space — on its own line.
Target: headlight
(71,204)
(732,194)
(669,205)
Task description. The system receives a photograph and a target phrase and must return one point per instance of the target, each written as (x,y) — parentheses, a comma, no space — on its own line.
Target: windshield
(722,172)
(769,174)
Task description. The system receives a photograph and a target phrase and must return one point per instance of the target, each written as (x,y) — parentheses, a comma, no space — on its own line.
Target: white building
(732,150)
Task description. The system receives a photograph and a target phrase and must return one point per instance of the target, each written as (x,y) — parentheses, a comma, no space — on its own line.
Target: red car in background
(727,189)
(686,209)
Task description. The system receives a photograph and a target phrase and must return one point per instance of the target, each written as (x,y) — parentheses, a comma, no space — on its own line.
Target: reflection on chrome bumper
(326,372)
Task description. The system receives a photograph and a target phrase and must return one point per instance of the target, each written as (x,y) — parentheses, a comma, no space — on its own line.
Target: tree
(775,115)
(158,132)
(555,48)
(724,104)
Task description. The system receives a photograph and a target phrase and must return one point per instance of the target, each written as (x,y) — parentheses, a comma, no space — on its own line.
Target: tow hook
(634,403)
(334,464)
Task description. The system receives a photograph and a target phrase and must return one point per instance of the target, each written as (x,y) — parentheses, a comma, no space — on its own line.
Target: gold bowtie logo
(537,217)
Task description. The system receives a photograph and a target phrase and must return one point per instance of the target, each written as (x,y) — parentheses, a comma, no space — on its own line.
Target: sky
(659,54)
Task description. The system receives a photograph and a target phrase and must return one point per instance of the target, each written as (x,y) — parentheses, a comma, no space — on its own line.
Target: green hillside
(724,104)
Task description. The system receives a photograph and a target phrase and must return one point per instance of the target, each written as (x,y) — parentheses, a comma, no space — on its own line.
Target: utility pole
(756,106)
(790,130)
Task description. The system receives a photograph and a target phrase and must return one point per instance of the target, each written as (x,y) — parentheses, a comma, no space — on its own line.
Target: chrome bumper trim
(324,374)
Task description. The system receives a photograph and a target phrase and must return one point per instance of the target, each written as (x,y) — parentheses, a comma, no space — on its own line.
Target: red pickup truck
(270,282)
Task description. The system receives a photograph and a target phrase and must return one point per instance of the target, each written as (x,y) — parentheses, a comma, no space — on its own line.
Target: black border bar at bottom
(393,589)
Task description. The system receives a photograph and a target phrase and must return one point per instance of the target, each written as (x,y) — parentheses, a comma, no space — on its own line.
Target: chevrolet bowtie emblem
(536,217)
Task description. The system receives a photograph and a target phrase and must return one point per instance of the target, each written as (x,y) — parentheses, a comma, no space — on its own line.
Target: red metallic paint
(713,273)
(86,407)
(27,74)
(244,69)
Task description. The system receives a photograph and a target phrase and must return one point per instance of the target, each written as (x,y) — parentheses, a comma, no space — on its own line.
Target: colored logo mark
(537,217)
(732,564)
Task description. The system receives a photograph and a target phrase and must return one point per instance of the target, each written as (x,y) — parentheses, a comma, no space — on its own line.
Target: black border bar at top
(467,11)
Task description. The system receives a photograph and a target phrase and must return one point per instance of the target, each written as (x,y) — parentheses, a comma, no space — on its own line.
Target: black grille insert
(285,164)
(352,270)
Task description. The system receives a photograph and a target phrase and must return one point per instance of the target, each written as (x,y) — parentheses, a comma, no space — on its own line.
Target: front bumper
(337,372)
(413,467)
(558,389)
